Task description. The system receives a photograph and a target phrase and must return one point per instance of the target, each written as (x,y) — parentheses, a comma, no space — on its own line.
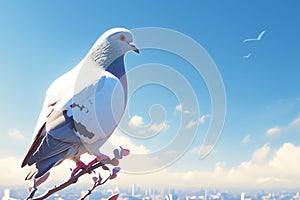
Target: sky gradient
(259,144)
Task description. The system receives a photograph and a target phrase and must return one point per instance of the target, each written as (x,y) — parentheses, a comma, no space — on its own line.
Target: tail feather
(36,143)
(44,166)
(31,174)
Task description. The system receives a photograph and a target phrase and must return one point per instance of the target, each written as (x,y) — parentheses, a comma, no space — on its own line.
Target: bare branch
(72,180)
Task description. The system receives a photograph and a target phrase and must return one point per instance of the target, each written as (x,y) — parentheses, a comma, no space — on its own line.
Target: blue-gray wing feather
(55,138)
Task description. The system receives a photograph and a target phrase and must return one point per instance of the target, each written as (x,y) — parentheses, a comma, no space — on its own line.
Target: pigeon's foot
(79,165)
(99,158)
(93,162)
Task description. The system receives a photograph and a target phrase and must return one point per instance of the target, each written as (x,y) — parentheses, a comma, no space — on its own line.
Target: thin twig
(31,194)
(96,184)
(89,192)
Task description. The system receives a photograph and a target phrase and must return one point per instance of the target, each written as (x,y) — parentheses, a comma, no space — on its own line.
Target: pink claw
(99,158)
(93,162)
(79,165)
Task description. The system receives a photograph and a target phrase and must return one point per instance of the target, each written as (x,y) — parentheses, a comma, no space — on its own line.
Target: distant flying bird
(247,56)
(255,39)
(82,107)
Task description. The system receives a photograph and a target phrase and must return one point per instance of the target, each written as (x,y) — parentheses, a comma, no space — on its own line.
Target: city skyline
(158,194)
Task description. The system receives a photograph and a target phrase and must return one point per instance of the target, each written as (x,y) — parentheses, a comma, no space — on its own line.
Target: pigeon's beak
(133,48)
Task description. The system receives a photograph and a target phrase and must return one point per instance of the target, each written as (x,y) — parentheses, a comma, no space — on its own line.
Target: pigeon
(82,107)
(247,56)
(255,39)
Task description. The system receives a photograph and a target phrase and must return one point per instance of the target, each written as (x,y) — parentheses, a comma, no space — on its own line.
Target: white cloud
(16,134)
(11,172)
(187,112)
(280,171)
(136,121)
(195,151)
(117,139)
(203,118)
(206,149)
(287,160)
(178,107)
(246,139)
(159,127)
(203,150)
(138,126)
(295,122)
(273,130)
(261,154)
(274,169)
(191,124)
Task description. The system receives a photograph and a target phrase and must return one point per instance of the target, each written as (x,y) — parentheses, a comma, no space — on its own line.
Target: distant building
(190,197)
(116,190)
(296,197)
(6,195)
(243,196)
(171,197)
(133,190)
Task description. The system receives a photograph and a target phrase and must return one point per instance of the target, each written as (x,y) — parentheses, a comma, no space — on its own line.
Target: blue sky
(40,41)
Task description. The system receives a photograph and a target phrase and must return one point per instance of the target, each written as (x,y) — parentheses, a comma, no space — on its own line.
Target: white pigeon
(247,56)
(255,39)
(83,107)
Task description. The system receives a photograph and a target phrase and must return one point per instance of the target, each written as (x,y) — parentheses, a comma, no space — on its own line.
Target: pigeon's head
(120,39)
(113,44)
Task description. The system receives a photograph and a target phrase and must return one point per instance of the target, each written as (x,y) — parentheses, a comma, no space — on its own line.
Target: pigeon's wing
(54,133)
(261,34)
(97,116)
(56,137)
(55,141)
(250,39)
(57,95)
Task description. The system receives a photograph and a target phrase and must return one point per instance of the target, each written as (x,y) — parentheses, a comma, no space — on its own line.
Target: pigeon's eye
(122,37)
